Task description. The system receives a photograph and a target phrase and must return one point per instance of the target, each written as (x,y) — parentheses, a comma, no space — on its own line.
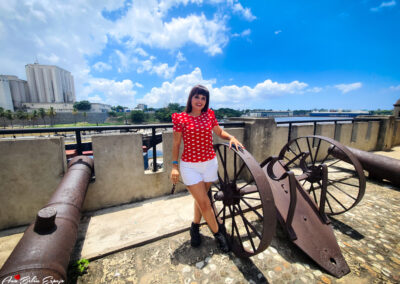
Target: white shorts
(193,173)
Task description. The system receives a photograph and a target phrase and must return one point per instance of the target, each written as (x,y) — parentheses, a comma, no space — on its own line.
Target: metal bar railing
(315,122)
(98,129)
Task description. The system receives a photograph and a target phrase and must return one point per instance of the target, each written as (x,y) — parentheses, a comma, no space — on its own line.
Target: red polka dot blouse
(197,135)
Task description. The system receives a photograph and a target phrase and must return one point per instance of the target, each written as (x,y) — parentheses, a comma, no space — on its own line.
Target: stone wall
(31,169)
(62,118)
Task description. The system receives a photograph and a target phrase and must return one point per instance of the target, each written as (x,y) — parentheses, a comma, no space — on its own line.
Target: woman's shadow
(200,257)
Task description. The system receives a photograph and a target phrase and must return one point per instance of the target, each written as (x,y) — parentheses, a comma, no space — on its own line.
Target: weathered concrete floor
(369,236)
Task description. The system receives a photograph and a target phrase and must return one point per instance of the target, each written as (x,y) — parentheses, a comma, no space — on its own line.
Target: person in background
(198,165)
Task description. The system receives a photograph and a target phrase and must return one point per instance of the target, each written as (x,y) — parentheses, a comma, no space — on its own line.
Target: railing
(150,141)
(315,122)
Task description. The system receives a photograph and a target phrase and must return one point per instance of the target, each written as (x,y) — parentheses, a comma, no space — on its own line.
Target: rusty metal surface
(46,246)
(345,182)
(306,227)
(231,201)
(378,166)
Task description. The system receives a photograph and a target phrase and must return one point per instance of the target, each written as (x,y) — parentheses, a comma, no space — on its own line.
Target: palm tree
(84,116)
(51,113)
(21,116)
(3,116)
(10,117)
(75,112)
(35,115)
(42,114)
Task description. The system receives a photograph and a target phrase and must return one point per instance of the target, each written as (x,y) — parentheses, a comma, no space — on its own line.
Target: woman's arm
(225,135)
(177,137)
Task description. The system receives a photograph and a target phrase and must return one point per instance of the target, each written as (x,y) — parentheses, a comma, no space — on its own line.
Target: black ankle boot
(195,236)
(222,241)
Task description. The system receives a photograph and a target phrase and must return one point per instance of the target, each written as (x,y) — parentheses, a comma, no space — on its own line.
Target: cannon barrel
(43,253)
(378,166)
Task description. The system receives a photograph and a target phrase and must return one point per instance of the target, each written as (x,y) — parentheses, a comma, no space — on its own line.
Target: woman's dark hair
(198,90)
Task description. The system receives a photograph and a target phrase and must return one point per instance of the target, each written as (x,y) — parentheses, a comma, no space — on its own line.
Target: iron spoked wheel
(245,208)
(345,182)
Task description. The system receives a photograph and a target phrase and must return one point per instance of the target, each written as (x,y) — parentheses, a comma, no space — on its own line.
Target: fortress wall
(31,170)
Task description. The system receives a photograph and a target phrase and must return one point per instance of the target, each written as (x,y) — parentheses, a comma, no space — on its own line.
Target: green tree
(51,113)
(35,115)
(119,108)
(42,114)
(137,116)
(10,116)
(22,116)
(82,105)
(3,116)
(75,113)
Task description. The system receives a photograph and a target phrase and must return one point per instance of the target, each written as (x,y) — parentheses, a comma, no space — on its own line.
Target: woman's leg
(199,193)
(197,212)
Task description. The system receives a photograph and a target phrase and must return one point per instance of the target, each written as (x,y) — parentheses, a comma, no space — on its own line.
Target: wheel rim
(246,208)
(346,180)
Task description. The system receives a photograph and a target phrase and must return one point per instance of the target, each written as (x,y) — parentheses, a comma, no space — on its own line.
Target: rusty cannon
(301,187)
(43,253)
(378,166)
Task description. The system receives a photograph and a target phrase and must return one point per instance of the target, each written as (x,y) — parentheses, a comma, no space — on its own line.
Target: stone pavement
(148,242)
(369,236)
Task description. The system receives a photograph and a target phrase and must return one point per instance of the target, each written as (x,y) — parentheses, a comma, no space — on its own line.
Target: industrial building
(46,84)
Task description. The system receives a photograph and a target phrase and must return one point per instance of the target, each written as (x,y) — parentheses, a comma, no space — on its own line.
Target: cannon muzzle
(378,166)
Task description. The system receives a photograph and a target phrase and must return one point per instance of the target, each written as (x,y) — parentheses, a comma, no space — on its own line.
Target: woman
(198,165)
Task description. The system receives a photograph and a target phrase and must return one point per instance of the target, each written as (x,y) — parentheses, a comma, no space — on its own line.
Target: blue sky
(250,54)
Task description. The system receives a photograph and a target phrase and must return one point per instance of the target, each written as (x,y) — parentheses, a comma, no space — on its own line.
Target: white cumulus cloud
(228,96)
(110,91)
(345,88)
(384,5)
(101,66)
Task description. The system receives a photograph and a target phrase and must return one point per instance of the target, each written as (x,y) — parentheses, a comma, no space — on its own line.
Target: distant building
(5,94)
(58,107)
(97,107)
(141,107)
(46,85)
(50,84)
(339,113)
(270,113)
(396,111)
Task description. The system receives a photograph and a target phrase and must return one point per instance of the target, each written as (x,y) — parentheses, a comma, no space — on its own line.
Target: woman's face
(198,102)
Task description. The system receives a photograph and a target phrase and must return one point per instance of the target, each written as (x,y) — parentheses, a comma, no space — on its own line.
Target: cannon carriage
(307,182)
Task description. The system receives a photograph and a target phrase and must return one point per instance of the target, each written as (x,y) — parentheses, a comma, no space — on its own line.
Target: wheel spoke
(252,180)
(327,155)
(219,213)
(247,228)
(342,191)
(310,151)
(216,186)
(316,152)
(250,225)
(298,146)
(336,200)
(234,227)
(253,198)
(238,173)
(313,191)
(331,164)
(252,209)
(223,161)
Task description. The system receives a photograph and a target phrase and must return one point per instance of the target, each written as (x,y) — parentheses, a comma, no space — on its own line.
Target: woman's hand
(174,175)
(235,142)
